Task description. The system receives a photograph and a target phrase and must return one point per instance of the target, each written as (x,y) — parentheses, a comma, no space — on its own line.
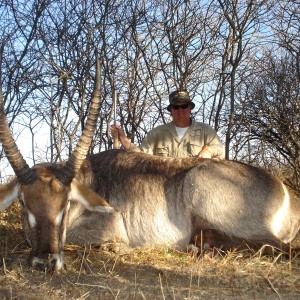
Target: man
(180,138)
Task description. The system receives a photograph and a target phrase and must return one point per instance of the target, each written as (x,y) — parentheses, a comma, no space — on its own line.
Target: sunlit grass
(146,273)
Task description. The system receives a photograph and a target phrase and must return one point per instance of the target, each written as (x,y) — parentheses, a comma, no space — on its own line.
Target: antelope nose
(53,263)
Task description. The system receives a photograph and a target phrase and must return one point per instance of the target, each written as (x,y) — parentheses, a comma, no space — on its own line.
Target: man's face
(181,110)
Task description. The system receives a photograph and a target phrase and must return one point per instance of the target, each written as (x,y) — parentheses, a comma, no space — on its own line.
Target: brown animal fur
(190,195)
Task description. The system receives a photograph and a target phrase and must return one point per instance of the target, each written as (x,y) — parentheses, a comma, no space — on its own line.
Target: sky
(24,143)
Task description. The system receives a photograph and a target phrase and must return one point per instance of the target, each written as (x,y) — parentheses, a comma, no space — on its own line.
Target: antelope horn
(75,161)
(24,174)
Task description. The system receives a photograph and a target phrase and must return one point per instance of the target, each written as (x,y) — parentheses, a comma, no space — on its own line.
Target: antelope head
(46,190)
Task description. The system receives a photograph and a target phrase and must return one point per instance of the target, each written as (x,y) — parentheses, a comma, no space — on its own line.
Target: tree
(274,96)
(242,21)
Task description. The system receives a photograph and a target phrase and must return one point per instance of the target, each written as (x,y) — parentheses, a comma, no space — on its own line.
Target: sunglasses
(182,106)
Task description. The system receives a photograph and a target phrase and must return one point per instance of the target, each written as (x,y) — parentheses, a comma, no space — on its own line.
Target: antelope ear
(9,194)
(88,198)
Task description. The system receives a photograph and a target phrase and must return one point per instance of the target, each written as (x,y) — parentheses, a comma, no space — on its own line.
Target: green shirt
(164,141)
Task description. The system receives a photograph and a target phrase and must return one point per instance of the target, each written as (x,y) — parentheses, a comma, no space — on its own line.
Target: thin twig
(92,285)
(161,287)
(4,266)
(273,288)
(82,262)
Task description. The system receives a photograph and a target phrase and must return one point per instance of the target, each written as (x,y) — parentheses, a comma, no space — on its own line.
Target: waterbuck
(166,201)
(160,200)
(45,190)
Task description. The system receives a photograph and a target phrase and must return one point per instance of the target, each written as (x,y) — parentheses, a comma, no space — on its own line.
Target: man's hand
(114,129)
(206,152)
(118,133)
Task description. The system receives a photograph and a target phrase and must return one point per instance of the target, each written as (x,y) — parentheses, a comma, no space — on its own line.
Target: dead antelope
(167,201)
(46,189)
(160,200)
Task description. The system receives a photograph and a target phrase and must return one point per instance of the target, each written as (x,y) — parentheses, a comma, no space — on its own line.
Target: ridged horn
(79,154)
(24,174)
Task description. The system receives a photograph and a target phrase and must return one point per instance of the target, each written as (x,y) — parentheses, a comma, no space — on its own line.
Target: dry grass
(143,274)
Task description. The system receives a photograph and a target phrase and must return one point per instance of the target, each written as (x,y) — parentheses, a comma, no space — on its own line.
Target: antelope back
(168,200)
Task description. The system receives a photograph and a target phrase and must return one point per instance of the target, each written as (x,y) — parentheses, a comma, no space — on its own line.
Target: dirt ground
(150,273)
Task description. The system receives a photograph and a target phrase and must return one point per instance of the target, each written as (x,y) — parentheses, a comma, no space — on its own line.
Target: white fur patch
(104,209)
(9,198)
(31,219)
(59,217)
(64,234)
(279,217)
(59,261)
